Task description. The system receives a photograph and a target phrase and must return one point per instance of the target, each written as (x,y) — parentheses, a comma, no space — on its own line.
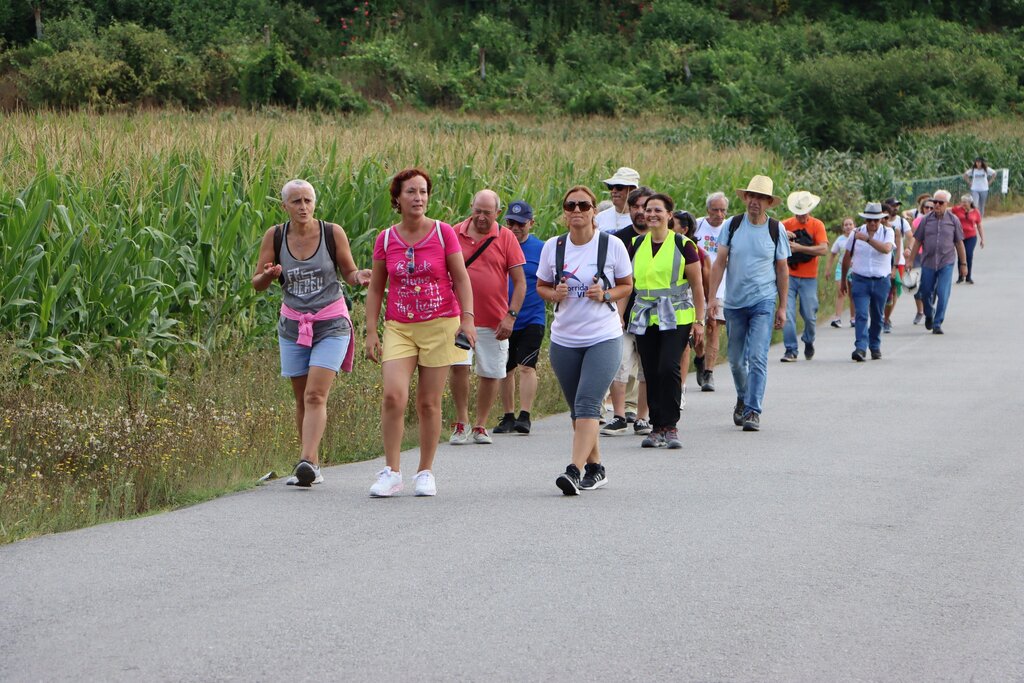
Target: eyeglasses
(583,206)
(872,220)
(619,187)
(513,224)
(410,266)
(928,206)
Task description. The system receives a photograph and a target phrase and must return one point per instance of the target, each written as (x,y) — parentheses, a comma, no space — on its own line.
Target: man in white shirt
(706,236)
(619,186)
(869,259)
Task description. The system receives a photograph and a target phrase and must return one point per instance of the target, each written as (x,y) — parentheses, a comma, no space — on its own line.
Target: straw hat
(761,184)
(802,202)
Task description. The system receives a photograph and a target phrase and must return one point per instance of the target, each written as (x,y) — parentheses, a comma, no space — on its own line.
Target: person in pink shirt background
(970,220)
(430,302)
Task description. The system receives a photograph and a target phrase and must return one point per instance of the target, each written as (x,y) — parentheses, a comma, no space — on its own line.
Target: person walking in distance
(628,393)
(709,229)
(584,273)
(868,260)
(528,330)
(314,330)
(430,304)
(754,256)
(619,186)
(970,221)
(901,229)
(807,240)
(835,262)
(493,257)
(941,238)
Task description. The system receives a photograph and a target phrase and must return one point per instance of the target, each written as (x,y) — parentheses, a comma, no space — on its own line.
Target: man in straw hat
(619,186)
(869,257)
(751,252)
(807,240)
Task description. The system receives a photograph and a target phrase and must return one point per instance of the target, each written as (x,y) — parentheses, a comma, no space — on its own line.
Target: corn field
(135,236)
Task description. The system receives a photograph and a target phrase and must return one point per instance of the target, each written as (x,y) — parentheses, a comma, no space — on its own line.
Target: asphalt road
(873,530)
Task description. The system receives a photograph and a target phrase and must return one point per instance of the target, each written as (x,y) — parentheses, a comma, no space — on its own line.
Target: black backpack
(602,255)
(279,239)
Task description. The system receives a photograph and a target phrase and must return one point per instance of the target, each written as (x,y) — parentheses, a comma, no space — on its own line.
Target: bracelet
(470,313)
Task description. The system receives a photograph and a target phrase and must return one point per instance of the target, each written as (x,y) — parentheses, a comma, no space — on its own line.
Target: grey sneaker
(481,436)
(306,474)
(641,427)
(459,437)
(789,357)
(751,422)
(616,427)
(918,318)
(737,413)
(630,417)
(886,327)
(653,440)
(671,437)
(593,477)
(569,481)
(709,381)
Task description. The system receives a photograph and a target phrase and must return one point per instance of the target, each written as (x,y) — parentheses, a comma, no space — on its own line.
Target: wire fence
(908,191)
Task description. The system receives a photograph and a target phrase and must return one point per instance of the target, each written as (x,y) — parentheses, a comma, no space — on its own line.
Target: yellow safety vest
(663,295)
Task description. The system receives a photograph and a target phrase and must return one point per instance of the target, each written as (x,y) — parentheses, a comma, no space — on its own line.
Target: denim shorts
(328,353)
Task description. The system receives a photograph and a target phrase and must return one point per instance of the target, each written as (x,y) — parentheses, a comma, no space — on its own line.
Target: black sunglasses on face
(583,206)
(939,201)
(619,187)
(513,224)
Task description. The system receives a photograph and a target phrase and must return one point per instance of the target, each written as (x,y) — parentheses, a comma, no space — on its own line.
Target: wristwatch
(607,296)
(513,313)
(699,322)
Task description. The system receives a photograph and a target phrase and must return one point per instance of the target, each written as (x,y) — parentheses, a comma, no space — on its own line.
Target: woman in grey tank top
(314,330)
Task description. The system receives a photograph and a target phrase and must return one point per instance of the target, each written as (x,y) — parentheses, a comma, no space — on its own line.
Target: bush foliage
(833,75)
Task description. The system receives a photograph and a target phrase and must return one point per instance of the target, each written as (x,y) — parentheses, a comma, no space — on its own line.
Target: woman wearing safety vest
(669,304)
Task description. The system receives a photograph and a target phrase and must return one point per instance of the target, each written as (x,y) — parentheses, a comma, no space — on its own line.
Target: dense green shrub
(272,77)
(156,70)
(683,22)
(322,91)
(74,78)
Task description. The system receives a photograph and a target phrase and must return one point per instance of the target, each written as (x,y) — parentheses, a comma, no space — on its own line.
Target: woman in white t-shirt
(586,333)
(836,259)
(978,176)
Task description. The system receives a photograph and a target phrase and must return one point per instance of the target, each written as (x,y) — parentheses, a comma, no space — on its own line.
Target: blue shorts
(328,353)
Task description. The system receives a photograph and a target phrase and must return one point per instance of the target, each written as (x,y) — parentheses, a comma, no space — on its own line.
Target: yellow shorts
(432,342)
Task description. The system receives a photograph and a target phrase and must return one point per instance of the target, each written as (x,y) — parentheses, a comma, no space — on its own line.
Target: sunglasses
(513,224)
(583,206)
(939,201)
(619,187)
(410,266)
(928,206)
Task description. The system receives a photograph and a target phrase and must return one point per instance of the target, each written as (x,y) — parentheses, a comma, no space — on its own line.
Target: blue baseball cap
(519,211)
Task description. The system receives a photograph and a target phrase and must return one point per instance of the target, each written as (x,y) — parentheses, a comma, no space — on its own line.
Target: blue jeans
(940,281)
(750,334)
(585,373)
(969,245)
(869,295)
(807,289)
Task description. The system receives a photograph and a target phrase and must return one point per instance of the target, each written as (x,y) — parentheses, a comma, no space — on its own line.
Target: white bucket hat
(624,176)
(873,210)
(761,184)
(802,202)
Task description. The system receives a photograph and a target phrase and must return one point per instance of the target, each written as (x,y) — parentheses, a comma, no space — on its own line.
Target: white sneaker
(425,484)
(388,484)
(459,437)
(480,435)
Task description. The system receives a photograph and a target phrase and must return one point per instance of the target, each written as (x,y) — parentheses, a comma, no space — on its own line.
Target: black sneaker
(875,355)
(858,356)
(523,423)
(569,481)
(789,357)
(808,350)
(507,424)
(737,412)
(709,381)
(616,427)
(937,330)
(641,427)
(751,422)
(593,477)
(305,473)
(927,322)
(698,365)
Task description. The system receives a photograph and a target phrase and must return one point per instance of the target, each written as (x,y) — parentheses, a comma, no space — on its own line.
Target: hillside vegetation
(823,74)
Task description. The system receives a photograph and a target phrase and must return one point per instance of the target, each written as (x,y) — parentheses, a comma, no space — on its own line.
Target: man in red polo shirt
(493,257)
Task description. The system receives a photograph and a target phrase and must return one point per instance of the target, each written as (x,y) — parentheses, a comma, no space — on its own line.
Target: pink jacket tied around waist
(336,310)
